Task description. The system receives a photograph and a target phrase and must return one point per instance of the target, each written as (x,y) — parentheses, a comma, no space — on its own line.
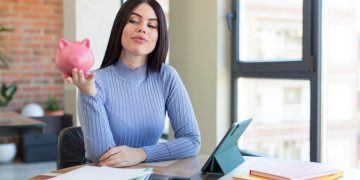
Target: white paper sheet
(103,173)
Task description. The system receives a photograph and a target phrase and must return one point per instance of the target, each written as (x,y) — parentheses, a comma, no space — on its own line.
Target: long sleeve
(95,124)
(180,111)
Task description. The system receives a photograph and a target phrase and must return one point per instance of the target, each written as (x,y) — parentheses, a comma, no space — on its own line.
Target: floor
(19,171)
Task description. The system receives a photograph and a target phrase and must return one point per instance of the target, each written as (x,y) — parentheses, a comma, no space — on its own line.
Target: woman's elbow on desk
(194,150)
(197,146)
(94,153)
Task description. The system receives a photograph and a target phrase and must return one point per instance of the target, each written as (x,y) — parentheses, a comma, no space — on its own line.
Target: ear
(63,43)
(86,43)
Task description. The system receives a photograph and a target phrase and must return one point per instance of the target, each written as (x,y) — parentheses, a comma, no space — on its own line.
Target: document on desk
(103,173)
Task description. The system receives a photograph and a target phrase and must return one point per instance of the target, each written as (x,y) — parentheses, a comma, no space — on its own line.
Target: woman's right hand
(85,85)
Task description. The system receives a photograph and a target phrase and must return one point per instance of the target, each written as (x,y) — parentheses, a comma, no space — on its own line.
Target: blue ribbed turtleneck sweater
(130,108)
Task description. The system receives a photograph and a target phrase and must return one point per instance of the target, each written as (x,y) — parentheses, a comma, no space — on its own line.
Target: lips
(139,39)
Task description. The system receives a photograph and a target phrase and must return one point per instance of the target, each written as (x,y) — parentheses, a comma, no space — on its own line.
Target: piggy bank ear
(63,43)
(86,43)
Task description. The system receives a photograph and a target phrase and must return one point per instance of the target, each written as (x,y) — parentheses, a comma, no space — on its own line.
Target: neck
(133,61)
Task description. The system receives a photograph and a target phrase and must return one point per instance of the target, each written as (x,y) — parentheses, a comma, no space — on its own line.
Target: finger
(118,155)
(102,158)
(110,163)
(108,153)
(81,76)
(69,80)
(112,157)
(122,164)
(75,74)
(112,151)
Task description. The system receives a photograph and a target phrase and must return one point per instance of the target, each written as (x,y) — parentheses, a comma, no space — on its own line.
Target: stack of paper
(287,169)
(253,177)
(103,173)
(291,170)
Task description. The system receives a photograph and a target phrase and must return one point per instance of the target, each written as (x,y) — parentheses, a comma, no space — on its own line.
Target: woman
(122,110)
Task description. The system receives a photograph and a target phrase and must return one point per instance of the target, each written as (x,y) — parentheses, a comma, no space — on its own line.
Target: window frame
(309,68)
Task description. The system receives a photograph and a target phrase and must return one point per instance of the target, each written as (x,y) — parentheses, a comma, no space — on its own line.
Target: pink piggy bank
(70,55)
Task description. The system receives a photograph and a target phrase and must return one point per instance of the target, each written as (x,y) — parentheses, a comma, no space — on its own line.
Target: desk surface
(9,119)
(190,168)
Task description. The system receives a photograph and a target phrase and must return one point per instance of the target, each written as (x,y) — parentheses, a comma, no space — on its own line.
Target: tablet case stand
(225,162)
(227,156)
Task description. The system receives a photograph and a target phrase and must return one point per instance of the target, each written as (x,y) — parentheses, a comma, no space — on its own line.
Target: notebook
(253,177)
(292,170)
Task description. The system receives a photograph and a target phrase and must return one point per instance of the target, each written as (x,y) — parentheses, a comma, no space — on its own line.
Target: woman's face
(140,33)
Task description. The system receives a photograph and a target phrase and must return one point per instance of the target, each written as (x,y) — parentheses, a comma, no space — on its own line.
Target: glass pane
(270,30)
(341,34)
(281,116)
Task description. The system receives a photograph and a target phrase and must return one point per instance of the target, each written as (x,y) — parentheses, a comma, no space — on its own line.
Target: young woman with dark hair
(122,110)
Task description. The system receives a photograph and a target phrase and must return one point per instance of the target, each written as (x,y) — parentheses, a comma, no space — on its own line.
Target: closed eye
(152,26)
(134,21)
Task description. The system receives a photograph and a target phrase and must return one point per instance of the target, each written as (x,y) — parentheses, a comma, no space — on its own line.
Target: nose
(142,28)
(141,31)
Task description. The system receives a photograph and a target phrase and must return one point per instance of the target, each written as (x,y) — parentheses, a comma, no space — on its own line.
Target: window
(275,79)
(341,92)
(281,112)
(292,95)
(271,30)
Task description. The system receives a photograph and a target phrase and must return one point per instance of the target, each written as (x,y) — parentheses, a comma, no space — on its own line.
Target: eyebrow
(136,14)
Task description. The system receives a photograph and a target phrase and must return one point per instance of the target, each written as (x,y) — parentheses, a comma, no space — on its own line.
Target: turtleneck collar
(135,75)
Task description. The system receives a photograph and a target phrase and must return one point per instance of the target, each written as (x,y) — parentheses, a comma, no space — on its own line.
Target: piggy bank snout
(75,61)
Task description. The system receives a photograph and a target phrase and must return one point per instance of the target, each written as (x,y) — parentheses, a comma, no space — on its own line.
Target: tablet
(226,155)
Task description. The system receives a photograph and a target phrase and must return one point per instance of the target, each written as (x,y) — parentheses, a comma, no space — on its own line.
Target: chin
(140,52)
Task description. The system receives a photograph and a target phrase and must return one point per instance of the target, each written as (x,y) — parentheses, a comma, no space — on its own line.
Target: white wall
(91,19)
(200,51)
